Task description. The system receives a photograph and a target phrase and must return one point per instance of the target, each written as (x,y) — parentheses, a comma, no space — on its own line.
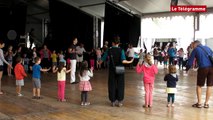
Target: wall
(68,22)
(117,22)
(12,18)
(209,42)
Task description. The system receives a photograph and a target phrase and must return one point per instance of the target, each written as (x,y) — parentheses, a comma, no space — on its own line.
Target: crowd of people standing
(67,61)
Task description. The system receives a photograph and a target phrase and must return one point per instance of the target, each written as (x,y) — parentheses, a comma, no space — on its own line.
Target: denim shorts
(36,83)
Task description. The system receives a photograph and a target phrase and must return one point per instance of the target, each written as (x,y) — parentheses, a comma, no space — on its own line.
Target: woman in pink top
(149,70)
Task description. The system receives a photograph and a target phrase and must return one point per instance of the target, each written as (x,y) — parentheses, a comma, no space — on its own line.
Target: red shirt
(19,72)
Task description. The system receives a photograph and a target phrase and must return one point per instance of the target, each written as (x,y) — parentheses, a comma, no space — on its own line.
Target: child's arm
(45,70)
(79,76)
(90,73)
(55,69)
(139,68)
(155,69)
(67,71)
(23,71)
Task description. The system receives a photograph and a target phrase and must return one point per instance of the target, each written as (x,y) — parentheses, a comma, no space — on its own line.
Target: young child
(98,56)
(19,74)
(165,60)
(61,57)
(84,85)
(92,58)
(36,78)
(171,80)
(54,58)
(141,56)
(26,61)
(149,70)
(61,77)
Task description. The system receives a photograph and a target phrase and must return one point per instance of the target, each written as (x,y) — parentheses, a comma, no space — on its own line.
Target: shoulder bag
(118,69)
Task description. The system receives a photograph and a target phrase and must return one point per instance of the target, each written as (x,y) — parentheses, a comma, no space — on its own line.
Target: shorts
(98,58)
(36,83)
(1,67)
(20,82)
(79,59)
(203,74)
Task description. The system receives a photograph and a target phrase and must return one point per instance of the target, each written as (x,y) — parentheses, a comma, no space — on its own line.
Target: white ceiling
(37,8)
(135,6)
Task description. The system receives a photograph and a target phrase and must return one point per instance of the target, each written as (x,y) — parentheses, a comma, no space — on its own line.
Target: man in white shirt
(80,54)
(130,54)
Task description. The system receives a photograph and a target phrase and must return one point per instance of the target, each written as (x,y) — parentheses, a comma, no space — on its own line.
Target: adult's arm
(2,57)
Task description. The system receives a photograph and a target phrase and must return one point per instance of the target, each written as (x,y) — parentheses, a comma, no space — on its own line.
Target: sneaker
(173,105)
(120,104)
(19,94)
(39,97)
(64,100)
(168,105)
(113,104)
(34,97)
(145,106)
(82,103)
(87,103)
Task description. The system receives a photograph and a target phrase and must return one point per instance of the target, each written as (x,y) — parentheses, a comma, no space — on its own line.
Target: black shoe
(39,97)
(74,82)
(34,97)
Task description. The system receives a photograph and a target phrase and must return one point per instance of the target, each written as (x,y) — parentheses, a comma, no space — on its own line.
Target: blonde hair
(148,59)
(172,69)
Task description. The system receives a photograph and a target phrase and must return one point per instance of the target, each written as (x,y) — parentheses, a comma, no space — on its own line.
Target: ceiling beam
(91,5)
(186,2)
(30,2)
(87,11)
(39,13)
(33,18)
(131,9)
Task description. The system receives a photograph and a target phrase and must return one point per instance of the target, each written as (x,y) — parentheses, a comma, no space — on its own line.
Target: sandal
(145,106)
(197,105)
(206,105)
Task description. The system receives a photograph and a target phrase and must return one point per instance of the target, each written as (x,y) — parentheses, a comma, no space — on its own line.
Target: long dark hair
(60,66)
(83,68)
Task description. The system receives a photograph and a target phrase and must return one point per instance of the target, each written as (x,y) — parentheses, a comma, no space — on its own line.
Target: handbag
(210,56)
(118,69)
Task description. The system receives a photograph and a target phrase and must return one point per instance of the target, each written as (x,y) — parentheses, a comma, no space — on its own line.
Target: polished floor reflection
(20,108)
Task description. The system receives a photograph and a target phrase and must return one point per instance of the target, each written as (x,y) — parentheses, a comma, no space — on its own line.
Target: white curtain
(179,27)
(205,30)
(148,43)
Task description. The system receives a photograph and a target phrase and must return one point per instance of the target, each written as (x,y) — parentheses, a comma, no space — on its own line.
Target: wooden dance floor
(48,108)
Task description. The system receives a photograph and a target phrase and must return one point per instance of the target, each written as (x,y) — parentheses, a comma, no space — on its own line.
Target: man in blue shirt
(205,71)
